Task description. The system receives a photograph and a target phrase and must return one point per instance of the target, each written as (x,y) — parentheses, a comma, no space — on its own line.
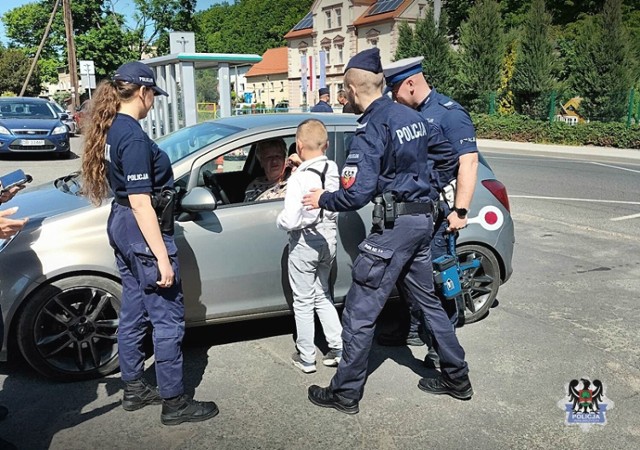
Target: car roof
(286,119)
(24,99)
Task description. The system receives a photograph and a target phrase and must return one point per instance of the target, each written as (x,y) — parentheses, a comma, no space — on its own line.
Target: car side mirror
(64,116)
(198,199)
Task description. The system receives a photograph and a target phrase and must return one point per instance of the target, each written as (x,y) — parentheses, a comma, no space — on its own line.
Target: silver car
(61,291)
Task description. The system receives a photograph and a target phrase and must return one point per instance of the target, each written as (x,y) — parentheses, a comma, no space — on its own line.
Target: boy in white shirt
(312,247)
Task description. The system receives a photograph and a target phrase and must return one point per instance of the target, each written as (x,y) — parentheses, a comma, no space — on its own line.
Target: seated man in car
(271,154)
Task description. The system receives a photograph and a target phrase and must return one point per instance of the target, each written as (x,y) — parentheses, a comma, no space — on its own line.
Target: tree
(481,52)
(533,77)
(406,42)
(603,64)
(14,67)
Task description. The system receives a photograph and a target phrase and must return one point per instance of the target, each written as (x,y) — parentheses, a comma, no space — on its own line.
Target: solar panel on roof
(384,6)
(306,22)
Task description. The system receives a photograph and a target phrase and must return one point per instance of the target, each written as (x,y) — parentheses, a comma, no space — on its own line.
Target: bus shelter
(176,74)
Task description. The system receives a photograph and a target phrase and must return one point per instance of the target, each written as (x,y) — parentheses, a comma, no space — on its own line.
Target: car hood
(16,124)
(49,199)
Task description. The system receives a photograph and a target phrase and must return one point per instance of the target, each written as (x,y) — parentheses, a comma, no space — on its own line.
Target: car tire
(64,155)
(483,283)
(68,329)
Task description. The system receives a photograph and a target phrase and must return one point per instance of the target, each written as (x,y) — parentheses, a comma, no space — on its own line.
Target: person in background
(312,248)
(344,101)
(118,155)
(323,102)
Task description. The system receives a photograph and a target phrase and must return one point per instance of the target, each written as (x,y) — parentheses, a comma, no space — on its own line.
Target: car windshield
(25,110)
(186,141)
(57,108)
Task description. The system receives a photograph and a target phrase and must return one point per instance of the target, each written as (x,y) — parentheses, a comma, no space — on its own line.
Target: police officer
(404,78)
(323,103)
(119,155)
(388,158)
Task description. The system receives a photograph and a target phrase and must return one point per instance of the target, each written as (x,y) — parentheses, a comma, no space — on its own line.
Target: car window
(186,141)
(18,109)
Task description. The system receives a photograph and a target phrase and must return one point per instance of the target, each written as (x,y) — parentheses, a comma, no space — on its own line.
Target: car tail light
(499,191)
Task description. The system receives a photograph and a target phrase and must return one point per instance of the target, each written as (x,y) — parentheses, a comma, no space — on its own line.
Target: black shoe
(327,399)
(138,394)
(459,388)
(432,360)
(185,409)
(4,412)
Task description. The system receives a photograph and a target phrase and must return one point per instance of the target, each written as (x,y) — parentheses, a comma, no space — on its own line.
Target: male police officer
(408,86)
(323,104)
(388,162)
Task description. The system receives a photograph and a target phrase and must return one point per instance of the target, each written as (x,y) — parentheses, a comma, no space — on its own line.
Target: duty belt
(122,201)
(404,208)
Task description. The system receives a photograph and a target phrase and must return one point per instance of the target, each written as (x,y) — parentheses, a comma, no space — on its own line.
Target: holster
(163,203)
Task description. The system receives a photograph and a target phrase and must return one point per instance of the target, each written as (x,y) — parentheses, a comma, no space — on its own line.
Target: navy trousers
(144,303)
(401,254)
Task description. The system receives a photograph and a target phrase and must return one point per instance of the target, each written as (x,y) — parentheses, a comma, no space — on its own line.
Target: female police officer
(118,154)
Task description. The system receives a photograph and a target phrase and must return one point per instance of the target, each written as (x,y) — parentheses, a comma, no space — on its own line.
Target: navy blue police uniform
(389,154)
(138,166)
(322,106)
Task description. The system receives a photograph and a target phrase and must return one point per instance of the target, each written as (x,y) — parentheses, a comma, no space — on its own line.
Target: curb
(586,150)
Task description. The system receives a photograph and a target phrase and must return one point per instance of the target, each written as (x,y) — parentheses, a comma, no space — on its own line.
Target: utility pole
(42,41)
(71,54)
(437,7)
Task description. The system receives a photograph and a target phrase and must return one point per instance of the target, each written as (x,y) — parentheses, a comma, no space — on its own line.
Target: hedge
(523,129)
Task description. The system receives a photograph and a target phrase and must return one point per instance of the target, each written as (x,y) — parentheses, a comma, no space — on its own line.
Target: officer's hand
(455,222)
(166,274)
(9,227)
(7,195)
(310,200)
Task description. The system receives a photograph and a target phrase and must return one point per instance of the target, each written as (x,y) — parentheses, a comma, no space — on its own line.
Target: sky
(123,6)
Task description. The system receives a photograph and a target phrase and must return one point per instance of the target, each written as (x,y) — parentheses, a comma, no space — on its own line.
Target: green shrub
(523,129)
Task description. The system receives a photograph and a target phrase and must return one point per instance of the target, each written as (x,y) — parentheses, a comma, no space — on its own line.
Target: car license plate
(32,142)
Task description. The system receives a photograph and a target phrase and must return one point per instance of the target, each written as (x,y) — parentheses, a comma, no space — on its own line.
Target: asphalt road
(570,310)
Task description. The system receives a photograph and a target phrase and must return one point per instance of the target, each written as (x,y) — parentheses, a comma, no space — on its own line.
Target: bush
(523,129)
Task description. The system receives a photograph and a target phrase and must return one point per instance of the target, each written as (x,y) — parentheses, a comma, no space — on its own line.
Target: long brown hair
(103,108)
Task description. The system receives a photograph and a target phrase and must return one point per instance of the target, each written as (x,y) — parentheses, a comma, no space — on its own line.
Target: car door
(233,259)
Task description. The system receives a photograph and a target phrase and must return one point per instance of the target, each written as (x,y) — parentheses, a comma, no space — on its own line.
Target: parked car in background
(81,111)
(61,289)
(30,125)
(69,121)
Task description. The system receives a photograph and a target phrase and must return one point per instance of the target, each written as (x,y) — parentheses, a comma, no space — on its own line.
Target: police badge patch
(585,403)
(348,176)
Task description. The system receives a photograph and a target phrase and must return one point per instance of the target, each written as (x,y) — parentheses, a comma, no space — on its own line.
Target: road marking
(588,200)
(490,155)
(632,216)
(615,167)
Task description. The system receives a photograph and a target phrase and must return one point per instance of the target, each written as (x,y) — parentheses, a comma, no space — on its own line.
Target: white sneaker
(303,365)
(332,358)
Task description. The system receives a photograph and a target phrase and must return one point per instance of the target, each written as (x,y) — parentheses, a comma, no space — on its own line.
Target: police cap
(402,69)
(323,91)
(138,73)
(368,60)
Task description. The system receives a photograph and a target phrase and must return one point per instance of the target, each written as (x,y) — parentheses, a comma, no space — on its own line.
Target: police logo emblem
(348,176)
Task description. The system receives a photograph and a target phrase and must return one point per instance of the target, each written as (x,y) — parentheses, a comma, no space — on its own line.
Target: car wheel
(64,155)
(482,283)
(68,329)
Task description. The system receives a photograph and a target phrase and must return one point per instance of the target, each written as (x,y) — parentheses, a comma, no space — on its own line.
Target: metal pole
(552,106)
(437,7)
(86,66)
(35,58)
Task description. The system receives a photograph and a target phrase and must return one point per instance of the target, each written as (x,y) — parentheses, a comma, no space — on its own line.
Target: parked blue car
(30,125)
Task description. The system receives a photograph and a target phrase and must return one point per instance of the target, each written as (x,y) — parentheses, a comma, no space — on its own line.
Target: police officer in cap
(388,163)
(404,78)
(119,156)
(323,105)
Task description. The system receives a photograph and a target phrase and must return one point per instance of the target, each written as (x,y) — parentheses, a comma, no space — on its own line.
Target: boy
(312,247)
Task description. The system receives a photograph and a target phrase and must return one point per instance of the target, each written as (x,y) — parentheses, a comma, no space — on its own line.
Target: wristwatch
(462,212)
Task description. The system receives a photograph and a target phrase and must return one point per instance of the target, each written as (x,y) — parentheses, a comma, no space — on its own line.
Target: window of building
(340,53)
(338,17)
(421,11)
(328,17)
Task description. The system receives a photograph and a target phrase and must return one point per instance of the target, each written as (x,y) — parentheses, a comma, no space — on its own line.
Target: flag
(323,69)
(312,74)
(303,73)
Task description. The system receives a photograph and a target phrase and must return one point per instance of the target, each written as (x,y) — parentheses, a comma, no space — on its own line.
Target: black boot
(326,398)
(185,409)
(459,388)
(138,394)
